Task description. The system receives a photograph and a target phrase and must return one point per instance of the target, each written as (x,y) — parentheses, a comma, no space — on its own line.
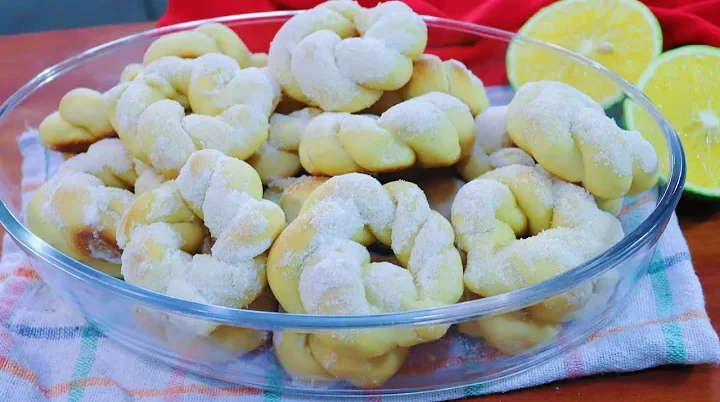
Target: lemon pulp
(683,85)
(622,35)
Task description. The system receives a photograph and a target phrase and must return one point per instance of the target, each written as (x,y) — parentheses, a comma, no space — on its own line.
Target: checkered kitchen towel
(48,352)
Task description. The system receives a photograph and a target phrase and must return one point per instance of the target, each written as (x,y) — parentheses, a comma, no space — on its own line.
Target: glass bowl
(134,317)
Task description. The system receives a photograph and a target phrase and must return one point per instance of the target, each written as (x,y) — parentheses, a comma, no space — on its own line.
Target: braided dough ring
(306,358)
(319,60)
(164,228)
(490,213)
(291,193)
(231,106)
(207,38)
(81,119)
(319,265)
(296,357)
(78,210)
(431,130)
(492,148)
(278,157)
(510,333)
(431,74)
(569,135)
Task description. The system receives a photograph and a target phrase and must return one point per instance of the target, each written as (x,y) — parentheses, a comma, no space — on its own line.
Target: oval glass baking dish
(136,317)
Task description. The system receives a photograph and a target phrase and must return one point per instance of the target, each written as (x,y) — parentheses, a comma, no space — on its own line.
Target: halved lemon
(622,35)
(684,84)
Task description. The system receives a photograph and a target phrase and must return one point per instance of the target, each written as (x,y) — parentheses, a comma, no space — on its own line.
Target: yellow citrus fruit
(683,84)
(621,35)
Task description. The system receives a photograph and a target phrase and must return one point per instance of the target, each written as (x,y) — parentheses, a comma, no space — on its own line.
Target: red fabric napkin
(683,22)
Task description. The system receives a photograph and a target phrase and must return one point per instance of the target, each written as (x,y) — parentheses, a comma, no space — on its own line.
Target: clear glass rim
(511,301)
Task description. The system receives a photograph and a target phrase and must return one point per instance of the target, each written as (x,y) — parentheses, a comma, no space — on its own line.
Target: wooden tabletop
(26,55)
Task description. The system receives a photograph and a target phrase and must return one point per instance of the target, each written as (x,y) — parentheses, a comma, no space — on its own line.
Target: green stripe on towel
(674,343)
(84,363)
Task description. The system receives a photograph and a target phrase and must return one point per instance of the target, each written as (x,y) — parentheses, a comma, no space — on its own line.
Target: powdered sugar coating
(139,269)
(390,287)
(226,194)
(427,131)
(412,211)
(217,83)
(147,177)
(231,109)
(570,136)
(317,60)
(490,132)
(644,153)
(413,118)
(332,273)
(104,154)
(84,201)
(476,202)
(566,228)
(492,147)
(593,127)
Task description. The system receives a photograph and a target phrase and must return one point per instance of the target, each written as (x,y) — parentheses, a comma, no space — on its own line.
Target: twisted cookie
(492,147)
(319,60)
(80,120)
(510,333)
(431,130)
(77,211)
(231,106)
(206,38)
(319,265)
(163,228)
(570,136)
(292,192)
(490,213)
(431,74)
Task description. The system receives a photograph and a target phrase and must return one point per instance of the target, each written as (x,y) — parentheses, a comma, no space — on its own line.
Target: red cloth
(683,22)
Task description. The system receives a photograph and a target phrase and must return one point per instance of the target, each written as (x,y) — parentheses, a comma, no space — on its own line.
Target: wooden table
(26,55)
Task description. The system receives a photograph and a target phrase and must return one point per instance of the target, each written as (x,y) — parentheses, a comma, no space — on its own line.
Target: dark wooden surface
(28,54)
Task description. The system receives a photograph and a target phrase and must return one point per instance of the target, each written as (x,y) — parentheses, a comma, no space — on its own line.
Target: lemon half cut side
(684,85)
(622,35)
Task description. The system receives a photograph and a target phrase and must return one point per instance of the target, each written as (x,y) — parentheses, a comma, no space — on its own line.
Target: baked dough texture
(432,130)
(78,210)
(319,265)
(341,57)
(570,136)
(231,107)
(164,230)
